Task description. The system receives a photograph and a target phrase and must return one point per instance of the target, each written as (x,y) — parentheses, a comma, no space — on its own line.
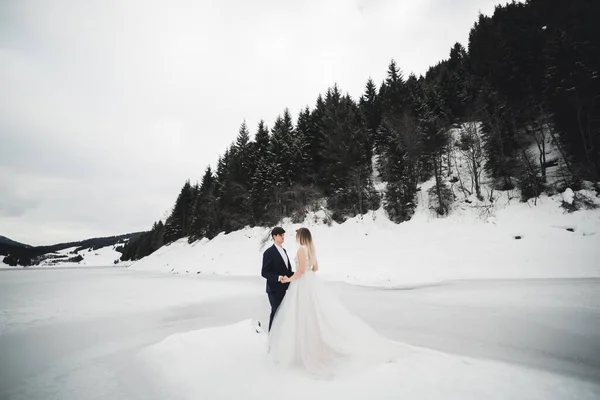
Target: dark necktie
(288,262)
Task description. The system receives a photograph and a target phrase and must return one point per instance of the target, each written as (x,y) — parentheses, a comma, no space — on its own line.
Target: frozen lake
(71,333)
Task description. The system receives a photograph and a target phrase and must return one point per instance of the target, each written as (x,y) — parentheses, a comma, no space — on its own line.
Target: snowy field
(123,334)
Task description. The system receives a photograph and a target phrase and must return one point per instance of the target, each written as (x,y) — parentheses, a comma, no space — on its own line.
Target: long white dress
(314,332)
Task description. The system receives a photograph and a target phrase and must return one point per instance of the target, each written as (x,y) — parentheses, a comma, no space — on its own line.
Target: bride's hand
(285,279)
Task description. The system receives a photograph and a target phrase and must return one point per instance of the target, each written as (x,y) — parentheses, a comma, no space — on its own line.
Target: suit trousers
(275,298)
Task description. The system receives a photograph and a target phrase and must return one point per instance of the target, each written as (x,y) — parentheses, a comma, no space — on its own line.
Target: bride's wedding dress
(313,331)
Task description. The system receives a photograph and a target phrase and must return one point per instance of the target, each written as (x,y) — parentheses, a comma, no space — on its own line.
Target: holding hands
(285,279)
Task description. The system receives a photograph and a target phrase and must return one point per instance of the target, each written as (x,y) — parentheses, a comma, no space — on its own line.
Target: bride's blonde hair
(304,237)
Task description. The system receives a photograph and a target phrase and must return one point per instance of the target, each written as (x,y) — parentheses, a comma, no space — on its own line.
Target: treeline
(530,75)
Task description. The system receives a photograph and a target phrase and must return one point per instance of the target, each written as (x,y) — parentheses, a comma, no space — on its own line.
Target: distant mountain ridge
(5,240)
(22,254)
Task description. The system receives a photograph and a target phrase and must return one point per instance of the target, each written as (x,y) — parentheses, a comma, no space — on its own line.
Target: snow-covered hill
(510,239)
(495,237)
(102,257)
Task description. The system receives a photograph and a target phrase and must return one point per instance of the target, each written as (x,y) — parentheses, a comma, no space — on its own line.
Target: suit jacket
(272,267)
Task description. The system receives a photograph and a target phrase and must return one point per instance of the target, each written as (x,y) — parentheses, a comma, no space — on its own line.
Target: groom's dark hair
(277,231)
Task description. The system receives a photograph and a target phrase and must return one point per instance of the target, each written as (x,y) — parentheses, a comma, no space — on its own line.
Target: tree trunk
(438,185)
(476,175)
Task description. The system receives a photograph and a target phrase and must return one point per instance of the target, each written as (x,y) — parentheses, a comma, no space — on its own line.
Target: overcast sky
(107,107)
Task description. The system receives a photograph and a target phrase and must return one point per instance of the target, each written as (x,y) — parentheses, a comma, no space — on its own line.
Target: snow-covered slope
(102,257)
(537,239)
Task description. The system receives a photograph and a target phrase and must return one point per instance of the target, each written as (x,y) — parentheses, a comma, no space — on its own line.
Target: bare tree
(461,184)
(471,149)
(299,199)
(359,186)
(538,131)
(540,140)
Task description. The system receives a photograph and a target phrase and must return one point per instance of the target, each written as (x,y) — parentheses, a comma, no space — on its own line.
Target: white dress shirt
(283,255)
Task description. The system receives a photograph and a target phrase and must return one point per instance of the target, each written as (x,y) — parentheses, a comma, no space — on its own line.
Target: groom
(276,264)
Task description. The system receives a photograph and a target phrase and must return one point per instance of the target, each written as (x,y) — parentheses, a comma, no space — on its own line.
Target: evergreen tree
(178,223)
(500,139)
(455,81)
(370,106)
(244,161)
(528,176)
(572,78)
(204,219)
(303,165)
(222,191)
(401,149)
(262,195)
(233,194)
(242,170)
(315,141)
(262,189)
(145,244)
(347,166)
(393,93)
(435,121)
(282,150)
(157,238)
(262,140)
(399,164)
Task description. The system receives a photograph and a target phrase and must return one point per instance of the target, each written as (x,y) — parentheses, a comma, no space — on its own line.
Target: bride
(313,331)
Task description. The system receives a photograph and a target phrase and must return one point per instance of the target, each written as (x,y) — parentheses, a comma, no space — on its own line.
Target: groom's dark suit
(274,266)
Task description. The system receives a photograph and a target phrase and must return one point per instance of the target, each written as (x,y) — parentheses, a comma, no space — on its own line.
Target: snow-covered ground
(122,334)
(498,300)
(505,292)
(237,351)
(39,299)
(374,251)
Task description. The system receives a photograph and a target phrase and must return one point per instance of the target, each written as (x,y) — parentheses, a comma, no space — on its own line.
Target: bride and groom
(309,328)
